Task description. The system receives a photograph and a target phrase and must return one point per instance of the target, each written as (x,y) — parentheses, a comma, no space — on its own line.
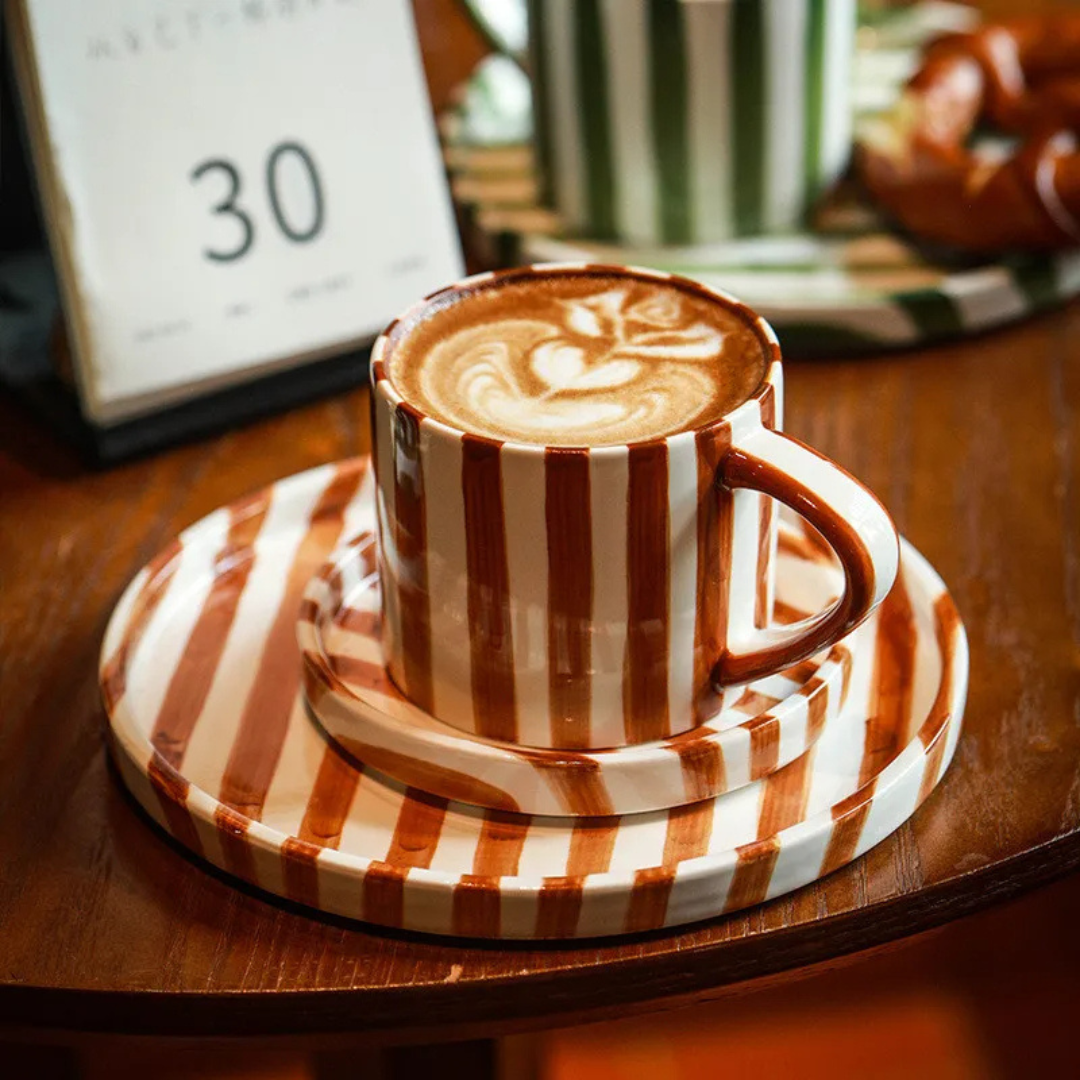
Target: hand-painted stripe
(236,850)
(713,563)
(849,816)
(809,545)
(593,104)
(448,579)
(159,572)
(749,110)
(645,671)
(490,634)
(649,899)
(321,826)
(502,837)
(764,745)
(783,801)
(608,473)
(702,764)
(817,707)
(932,730)
(762,614)
(171,790)
(754,702)
(668,84)
(753,871)
(576,779)
(416,836)
(259,738)
(364,675)
(895,653)
(570,596)
(477,902)
(689,829)
(410,540)
(362,623)
(683,511)
(558,904)
(766,529)
(191,679)
(429,776)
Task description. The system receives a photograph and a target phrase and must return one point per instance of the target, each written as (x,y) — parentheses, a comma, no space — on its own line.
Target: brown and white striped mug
(550,580)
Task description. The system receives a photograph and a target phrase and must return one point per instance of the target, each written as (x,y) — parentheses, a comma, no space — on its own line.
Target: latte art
(577,360)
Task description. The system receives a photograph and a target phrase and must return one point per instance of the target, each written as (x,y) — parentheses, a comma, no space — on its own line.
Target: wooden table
(108,927)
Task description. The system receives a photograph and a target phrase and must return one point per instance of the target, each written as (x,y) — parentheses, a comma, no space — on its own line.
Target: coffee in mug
(578,360)
(576,468)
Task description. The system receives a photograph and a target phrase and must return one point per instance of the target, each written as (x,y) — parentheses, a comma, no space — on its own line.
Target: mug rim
(381,382)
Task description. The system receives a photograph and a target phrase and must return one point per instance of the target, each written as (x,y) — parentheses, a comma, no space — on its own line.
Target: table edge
(504,1004)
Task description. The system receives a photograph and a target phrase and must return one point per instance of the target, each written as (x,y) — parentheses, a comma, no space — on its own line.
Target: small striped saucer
(758,729)
(202,682)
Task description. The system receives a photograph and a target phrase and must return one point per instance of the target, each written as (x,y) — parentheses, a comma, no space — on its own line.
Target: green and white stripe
(689,121)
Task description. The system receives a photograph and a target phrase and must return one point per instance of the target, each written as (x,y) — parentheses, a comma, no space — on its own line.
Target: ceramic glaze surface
(593,597)
(201,678)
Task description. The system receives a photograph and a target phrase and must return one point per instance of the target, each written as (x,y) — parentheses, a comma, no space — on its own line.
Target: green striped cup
(690,121)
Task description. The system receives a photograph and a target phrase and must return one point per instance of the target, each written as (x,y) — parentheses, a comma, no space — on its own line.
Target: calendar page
(231,186)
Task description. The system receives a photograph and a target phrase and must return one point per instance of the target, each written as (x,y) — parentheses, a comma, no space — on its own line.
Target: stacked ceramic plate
(252,717)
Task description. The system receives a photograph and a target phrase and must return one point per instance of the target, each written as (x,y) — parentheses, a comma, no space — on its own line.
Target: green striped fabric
(665,122)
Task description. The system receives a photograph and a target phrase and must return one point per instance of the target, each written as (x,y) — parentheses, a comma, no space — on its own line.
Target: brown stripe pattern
(494,704)
(714,542)
(416,836)
(190,683)
(372,878)
(570,596)
(766,529)
(645,677)
(263,722)
(410,541)
(477,897)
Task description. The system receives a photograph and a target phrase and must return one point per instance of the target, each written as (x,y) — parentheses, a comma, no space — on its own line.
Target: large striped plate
(201,677)
(758,729)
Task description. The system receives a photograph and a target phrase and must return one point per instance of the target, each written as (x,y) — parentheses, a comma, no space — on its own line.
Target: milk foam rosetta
(577,360)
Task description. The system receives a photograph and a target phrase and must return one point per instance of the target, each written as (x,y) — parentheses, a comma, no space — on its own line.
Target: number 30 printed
(229,206)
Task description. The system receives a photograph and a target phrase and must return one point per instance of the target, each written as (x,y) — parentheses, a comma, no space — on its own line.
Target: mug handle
(855,524)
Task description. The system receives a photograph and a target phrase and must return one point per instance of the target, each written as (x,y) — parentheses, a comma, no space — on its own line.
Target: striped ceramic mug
(690,121)
(552,596)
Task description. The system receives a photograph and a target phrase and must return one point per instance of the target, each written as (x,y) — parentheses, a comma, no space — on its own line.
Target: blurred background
(995,995)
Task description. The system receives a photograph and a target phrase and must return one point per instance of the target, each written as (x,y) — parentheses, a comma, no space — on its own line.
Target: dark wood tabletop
(106,925)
